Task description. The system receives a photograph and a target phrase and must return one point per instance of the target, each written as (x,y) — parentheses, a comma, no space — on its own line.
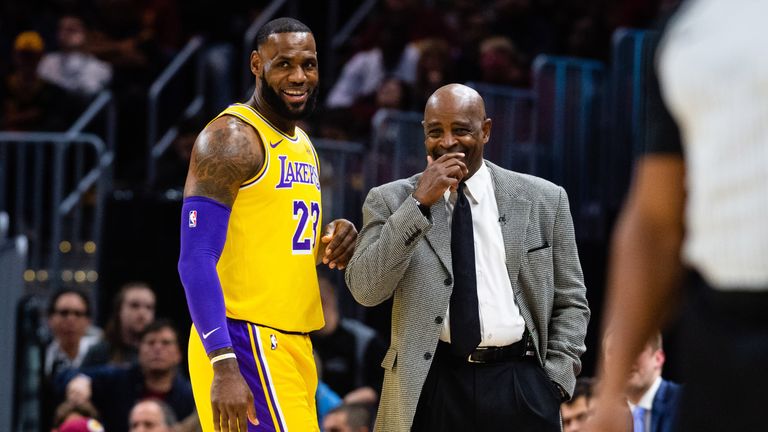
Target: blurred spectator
(392,93)
(348,418)
(72,68)
(501,63)
(71,416)
(652,399)
(134,36)
(471,24)
(574,412)
(434,69)
(156,375)
(30,103)
(363,73)
(81,424)
(133,311)
(350,352)
(69,316)
(152,415)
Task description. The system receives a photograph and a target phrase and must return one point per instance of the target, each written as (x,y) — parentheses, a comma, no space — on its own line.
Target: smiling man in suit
(653,400)
(490,311)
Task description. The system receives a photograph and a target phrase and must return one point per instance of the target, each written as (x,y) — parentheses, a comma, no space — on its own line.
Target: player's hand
(610,414)
(339,237)
(440,175)
(231,399)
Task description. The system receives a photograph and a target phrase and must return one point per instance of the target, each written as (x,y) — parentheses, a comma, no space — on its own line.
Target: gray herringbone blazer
(402,254)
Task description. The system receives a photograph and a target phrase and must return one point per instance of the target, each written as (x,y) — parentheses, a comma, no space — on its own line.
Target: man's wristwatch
(423,208)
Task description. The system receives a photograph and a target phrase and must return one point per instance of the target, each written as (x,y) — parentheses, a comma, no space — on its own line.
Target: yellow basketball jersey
(268,268)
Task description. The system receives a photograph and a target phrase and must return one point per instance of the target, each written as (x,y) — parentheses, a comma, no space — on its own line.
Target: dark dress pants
(724,354)
(515,395)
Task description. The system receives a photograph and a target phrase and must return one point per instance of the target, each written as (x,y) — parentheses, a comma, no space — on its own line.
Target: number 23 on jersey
(305,212)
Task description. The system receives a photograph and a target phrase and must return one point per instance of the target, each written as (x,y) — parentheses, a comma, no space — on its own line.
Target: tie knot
(461,196)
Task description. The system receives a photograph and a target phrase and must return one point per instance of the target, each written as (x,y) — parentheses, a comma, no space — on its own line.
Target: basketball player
(249,241)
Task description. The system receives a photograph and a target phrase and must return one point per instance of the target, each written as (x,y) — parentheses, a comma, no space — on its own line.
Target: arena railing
(511,110)
(13,252)
(29,348)
(627,105)
(396,147)
(341,168)
(59,183)
(157,144)
(53,185)
(570,126)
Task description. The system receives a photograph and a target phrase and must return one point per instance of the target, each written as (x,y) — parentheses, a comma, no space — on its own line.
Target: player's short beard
(280,106)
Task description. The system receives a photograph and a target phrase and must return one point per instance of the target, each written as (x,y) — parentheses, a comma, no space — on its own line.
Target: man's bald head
(457,95)
(455,121)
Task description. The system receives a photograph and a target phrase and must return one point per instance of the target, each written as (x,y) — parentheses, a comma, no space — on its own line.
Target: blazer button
(427,356)
(438,320)
(448,281)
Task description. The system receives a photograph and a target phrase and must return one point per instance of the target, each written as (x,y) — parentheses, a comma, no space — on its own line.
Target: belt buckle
(471,360)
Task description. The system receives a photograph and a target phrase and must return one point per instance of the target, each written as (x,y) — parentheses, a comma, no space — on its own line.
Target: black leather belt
(518,350)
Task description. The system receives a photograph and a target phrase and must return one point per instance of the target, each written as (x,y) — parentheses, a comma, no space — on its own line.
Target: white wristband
(224,356)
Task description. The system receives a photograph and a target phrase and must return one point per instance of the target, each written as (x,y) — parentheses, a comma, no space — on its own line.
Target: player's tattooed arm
(226,153)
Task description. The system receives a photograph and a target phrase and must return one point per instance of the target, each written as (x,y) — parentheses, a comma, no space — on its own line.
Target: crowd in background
(106,376)
(63,52)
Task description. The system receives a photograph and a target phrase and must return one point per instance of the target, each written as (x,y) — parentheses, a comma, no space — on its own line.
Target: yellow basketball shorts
(279,369)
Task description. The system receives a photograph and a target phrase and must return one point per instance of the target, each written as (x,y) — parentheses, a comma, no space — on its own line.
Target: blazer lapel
(439,236)
(659,408)
(513,217)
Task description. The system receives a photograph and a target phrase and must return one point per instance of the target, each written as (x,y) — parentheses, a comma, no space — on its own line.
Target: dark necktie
(464,318)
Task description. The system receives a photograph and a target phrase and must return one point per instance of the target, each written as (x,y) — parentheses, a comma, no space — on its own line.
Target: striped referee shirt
(713,73)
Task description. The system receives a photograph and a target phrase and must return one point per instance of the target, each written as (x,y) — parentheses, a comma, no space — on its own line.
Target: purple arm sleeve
(203,232)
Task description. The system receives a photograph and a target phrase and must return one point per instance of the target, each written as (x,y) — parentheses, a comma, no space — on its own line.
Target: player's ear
(486,128)
(256,64)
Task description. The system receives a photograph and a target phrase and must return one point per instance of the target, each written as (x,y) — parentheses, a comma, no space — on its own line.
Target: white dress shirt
(500,320)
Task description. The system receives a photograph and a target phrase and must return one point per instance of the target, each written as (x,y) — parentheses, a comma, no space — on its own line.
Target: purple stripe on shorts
(267,378)
(241,343)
